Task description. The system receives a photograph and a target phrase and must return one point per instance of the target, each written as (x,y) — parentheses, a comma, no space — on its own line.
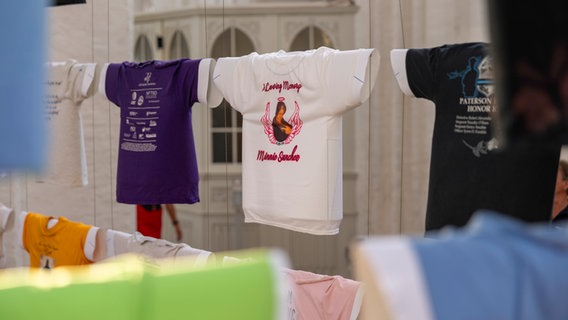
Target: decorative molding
(292,28)
(332,29)
(257,9)
(251,28)
(215,28)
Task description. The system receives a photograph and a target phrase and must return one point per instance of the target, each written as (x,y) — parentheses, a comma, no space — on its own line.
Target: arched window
(178,46)
(311,37)
(226,123)
(142,49)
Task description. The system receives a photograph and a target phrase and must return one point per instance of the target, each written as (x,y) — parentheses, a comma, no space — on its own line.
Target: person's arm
(172,213)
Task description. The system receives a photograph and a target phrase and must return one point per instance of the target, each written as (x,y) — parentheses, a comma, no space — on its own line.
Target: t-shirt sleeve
(223,76)
(350,77)
(82,79)
(88,80)
(420,67)
(90,243)
(398,63)
(108,82)
(207,92)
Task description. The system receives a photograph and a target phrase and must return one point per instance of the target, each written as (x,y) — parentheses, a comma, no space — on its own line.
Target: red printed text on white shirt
(263,155)
(279,86)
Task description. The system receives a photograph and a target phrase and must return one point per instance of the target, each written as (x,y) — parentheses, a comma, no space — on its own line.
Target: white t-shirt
(118,243)
(68,84)
(292,165)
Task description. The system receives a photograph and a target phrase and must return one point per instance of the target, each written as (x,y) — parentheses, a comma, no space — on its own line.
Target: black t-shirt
(67,2)
(469,167)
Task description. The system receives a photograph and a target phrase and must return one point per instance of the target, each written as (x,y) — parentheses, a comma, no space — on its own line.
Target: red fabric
(149,222)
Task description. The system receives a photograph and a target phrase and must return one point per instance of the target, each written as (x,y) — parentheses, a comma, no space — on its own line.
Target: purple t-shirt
(156,159)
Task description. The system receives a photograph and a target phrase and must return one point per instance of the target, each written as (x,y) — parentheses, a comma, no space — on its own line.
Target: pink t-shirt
(313,296)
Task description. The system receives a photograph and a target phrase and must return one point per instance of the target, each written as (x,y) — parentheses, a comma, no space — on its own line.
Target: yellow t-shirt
(57,246)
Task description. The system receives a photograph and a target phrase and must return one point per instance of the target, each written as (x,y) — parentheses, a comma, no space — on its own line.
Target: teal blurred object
(22,85)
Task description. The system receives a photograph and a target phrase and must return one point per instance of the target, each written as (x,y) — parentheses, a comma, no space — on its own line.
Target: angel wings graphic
(278,130)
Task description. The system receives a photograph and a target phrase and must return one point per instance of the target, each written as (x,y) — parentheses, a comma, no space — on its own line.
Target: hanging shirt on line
(68,85)
(292,105)
(156,159)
